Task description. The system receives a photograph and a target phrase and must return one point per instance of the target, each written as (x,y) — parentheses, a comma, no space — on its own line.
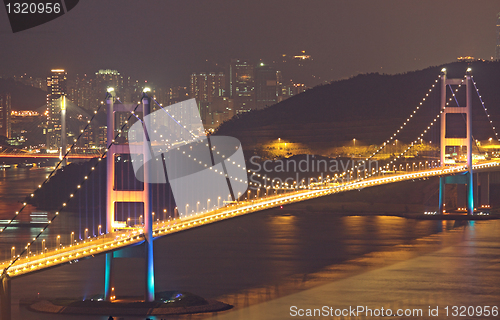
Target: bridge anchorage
(457,142)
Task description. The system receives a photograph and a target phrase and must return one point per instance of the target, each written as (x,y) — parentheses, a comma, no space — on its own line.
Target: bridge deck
(123,238)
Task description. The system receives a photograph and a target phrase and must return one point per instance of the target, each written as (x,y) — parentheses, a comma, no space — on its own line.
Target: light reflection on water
(242,261)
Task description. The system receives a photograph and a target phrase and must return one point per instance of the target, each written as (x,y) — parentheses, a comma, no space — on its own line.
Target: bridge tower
(458,140)
(113,195)
(63,130)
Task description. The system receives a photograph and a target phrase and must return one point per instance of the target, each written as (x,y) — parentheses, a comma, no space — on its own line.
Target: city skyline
(345,39)
(288,158)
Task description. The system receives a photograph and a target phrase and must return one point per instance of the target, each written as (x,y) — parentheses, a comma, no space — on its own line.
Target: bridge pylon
(113,196)
(456,140)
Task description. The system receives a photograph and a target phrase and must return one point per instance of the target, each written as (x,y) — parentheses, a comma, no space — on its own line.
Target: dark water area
(229,257)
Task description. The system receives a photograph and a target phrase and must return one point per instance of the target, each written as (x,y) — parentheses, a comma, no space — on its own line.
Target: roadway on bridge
(124,238)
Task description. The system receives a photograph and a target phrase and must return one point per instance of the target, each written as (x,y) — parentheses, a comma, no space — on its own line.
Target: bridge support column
(63,129)
(5,298)
(108,277)
(149,294)
(110,205)
(441,194)
(470,193)
(470,184)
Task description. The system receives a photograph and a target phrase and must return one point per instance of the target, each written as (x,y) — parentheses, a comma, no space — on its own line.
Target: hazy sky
(165,40)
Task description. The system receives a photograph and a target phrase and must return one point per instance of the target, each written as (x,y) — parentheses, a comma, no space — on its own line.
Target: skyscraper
(497,51)
(106,78)
(79,91)
(267,85)
(5,110)
(177,94)
(207,86)
(241,85)
(56,89)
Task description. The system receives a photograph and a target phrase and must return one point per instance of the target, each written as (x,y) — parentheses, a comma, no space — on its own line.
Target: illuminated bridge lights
(126,238)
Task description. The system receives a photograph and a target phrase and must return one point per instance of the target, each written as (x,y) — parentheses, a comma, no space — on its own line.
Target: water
(263,252)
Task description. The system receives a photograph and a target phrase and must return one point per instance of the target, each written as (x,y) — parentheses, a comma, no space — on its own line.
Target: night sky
(164,41)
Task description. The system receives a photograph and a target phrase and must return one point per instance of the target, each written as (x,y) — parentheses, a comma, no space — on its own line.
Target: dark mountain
(23,97)
(367,107)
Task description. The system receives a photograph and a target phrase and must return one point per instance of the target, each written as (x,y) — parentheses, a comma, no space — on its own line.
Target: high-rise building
(220,110)
(104,79)
(205,87)
(56,90)
(80,92)
(267,85)
(241,85)
(30,81)
(5,112)
(162,95)
(497,51)
(178,94)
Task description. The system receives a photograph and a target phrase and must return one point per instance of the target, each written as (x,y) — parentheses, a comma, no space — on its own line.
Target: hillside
(367,107)
(23,97)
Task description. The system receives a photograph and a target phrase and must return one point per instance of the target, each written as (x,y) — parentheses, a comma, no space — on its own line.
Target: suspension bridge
(122,230)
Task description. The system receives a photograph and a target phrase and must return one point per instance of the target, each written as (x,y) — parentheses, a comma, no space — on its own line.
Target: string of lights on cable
(49,176)
(398,131)
(78,187)
(485,110)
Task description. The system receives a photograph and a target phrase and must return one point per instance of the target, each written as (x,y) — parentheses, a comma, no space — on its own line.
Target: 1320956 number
(470,311)
(25,7)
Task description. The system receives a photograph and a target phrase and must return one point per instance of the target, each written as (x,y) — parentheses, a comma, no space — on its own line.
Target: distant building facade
(5,113)
(242,85)
(267,86)
(80,92)
(207,86)
(497,49)
(177,94)
(56,89)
